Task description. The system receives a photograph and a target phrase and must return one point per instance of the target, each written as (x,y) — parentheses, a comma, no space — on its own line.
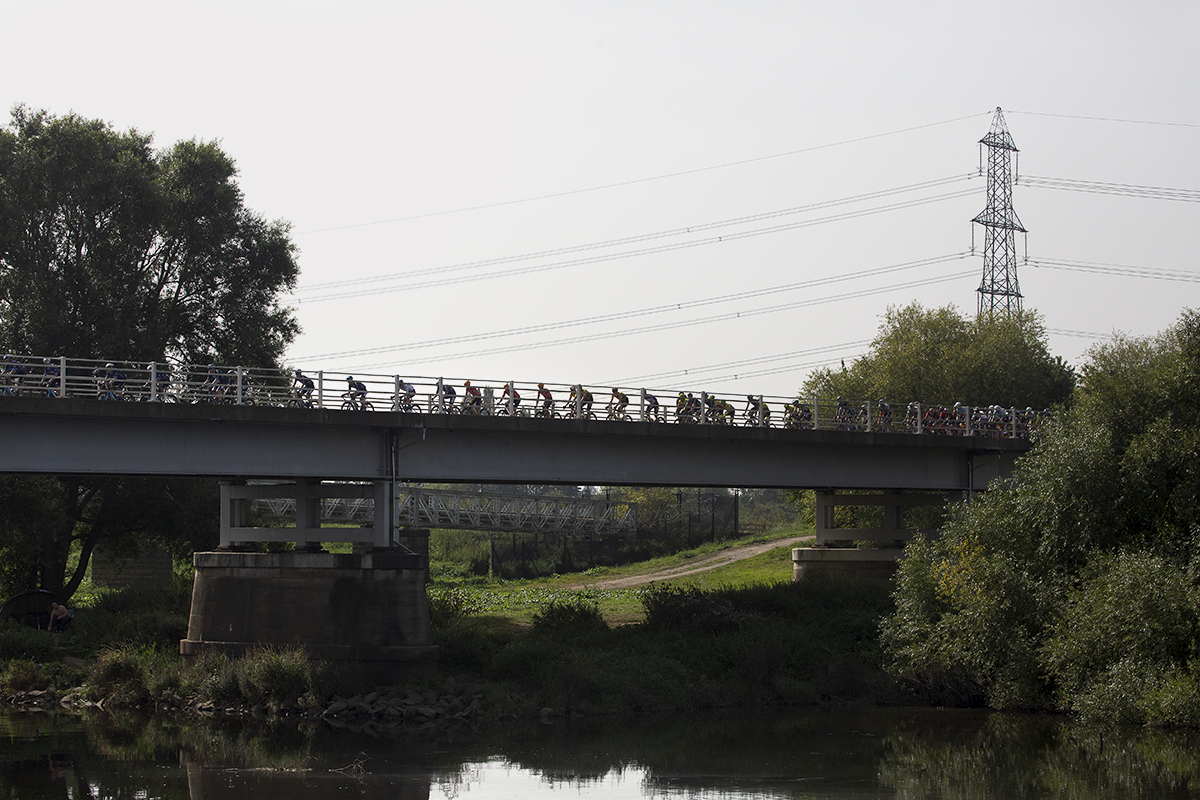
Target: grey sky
(370,126)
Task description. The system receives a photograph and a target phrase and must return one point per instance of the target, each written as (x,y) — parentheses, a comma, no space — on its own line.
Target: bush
(689,608)
(131,675)
(274,678)
(22,641)
(576,616)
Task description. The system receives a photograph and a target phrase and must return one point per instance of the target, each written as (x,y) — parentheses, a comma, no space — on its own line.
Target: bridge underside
(83,437)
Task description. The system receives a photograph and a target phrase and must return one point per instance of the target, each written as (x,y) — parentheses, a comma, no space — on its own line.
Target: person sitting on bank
(60,618)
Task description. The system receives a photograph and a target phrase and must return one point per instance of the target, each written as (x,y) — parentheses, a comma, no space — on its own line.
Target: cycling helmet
(298,372)
(541,386)
(108,366)
(349,378)
(466,383)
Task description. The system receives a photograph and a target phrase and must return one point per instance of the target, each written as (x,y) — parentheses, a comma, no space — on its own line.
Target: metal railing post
(512,390)
(396,393)
(868,405)
(238,378)
(704,408)
(967,421)
(321,388)
(153,381)
(642,405)
(578,400)
(919,418)
(62,376)
(761,411)
(441,396)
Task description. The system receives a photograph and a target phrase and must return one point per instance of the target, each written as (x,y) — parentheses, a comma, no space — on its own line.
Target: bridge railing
(56,376)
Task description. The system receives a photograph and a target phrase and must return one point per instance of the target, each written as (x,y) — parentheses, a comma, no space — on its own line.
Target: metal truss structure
(999,291)
(479,511)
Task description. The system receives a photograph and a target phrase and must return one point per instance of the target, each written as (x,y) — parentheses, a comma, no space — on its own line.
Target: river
(876,753)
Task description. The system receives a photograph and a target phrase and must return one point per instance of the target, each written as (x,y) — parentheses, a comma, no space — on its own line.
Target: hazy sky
(455,172)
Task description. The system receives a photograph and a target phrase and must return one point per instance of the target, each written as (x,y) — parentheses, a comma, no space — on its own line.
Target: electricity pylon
(999,291)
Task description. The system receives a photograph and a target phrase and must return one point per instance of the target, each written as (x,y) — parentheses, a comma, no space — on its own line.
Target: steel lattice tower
(999,291)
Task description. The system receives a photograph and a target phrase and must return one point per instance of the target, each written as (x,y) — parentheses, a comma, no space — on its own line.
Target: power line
(641,237)
(659,309)
(685,323)
(1123,270)
(636,181)
(746,362)
(1120,189)
(730,237)
(1108,119)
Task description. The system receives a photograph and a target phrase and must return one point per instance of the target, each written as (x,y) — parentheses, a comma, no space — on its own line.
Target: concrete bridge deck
(90,437)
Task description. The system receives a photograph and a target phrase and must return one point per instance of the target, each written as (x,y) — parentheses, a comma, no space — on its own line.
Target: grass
(519,600)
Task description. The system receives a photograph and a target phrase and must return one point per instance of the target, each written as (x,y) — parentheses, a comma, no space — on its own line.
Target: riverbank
(721,637)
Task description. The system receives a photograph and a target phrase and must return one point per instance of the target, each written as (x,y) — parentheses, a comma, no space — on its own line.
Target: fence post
(153,381)
(919,418)
(62,376)
(868,405)
(578,400)
(321,388)
(967,421)
(761,415)
(396,393)
(238,378)
(512,390)
(704,408)
(441,397)
(642,405)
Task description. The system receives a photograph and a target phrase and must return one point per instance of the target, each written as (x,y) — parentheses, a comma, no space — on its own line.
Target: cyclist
(15,373)
(547,401)
(356,392)
(587,402)
(303,387)
(472,400)
(407,393)
(844,415)
(618,403)
(114,382)
(51,374)
(653,412)
(510,392)
(884,412)
(446,398)
(162,380)
(681,408)
(756,408)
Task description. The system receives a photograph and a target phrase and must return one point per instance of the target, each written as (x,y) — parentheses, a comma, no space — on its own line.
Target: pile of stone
(460,704)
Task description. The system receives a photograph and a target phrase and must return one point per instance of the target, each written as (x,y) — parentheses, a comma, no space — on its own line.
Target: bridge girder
(85,437)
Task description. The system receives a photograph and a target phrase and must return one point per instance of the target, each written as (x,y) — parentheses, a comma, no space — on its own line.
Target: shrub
(22,641)
(449,605)
(575,616)
(274,678)
(21,675)
(130,675)
(689,608)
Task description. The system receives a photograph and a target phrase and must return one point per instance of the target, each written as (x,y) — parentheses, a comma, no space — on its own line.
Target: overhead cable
(636,181)
(1120,189)
(712,240)
(681,231)
(641,312)
(682,323)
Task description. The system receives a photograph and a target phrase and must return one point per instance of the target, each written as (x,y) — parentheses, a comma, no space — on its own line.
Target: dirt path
(701,564)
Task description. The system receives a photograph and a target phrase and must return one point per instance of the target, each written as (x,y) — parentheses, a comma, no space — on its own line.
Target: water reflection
(880,753)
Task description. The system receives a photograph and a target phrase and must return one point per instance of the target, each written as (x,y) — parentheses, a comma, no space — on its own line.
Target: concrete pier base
(845,562)
(368,609)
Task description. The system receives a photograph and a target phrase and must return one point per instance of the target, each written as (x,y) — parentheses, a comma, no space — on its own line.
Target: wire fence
(161,382)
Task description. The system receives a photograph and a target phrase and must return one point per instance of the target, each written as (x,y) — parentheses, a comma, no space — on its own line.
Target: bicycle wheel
(348,406)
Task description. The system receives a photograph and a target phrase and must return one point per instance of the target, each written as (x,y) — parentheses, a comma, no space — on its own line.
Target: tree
(111,249)
(1077,583)
(937,356)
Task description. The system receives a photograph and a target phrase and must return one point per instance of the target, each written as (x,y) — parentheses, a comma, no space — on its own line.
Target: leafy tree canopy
(1077,584)
(110,249)
(938,356)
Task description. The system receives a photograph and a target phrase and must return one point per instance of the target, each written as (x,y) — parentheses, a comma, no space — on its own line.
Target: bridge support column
(365,609)
(831,560)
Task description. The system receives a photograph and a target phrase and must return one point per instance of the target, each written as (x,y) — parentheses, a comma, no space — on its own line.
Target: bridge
(265,441)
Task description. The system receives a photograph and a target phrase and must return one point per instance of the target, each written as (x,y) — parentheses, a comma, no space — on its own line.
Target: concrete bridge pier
(835,554)
(366,609)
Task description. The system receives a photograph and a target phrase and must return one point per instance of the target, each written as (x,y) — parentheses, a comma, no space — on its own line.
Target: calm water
(872,754)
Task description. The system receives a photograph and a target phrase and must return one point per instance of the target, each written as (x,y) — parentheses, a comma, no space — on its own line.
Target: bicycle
(617,414)
(351,401)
